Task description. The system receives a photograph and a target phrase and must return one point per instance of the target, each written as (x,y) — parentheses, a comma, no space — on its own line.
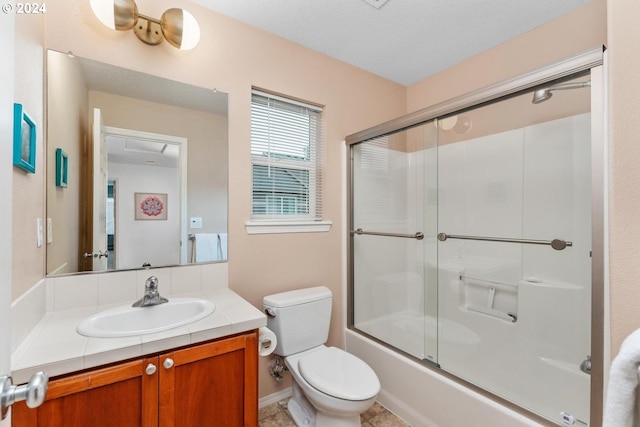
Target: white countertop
(55,347)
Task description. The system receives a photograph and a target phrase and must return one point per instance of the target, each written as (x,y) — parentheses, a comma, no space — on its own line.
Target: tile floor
(276,415)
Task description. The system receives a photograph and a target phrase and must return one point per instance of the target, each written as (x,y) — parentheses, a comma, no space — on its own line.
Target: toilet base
(300,409)
(304,414)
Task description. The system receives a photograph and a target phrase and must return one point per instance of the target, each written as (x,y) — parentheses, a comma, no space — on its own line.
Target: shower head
(544,93)
(541,95)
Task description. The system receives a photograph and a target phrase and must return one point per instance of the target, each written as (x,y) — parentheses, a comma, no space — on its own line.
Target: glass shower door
(515,308)
(394,210)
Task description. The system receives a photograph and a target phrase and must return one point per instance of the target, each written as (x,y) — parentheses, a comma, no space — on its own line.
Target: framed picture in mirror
(24,140)
(62,168)
(151,206)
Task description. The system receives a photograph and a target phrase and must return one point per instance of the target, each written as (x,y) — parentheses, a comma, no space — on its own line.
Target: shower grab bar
(557,244)
(509,317)
(417,236)
(488,282)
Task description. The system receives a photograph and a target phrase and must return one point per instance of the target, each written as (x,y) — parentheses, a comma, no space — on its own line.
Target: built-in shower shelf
(492,312)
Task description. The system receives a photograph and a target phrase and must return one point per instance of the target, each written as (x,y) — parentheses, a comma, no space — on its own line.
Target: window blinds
(286,142)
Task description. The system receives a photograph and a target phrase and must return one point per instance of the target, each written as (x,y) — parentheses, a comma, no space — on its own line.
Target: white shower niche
(491,299)
(487,287)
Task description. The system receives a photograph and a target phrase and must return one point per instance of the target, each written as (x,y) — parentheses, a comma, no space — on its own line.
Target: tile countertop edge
(118,349)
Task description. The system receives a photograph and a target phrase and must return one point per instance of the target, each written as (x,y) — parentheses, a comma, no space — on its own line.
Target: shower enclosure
(476,239)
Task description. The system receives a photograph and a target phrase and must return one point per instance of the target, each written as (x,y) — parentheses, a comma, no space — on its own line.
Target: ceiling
(403,40)
(124,82)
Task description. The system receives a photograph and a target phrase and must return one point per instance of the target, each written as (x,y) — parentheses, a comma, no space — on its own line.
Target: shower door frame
(593,61)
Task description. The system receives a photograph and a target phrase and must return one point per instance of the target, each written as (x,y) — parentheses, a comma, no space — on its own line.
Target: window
(286,142)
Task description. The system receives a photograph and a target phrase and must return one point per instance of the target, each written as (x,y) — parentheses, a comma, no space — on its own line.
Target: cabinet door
(122,396)
(211,385)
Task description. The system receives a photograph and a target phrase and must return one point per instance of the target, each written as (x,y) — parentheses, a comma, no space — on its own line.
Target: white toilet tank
(300,319)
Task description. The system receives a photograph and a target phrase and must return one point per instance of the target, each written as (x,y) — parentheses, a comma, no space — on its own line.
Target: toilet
(330,386)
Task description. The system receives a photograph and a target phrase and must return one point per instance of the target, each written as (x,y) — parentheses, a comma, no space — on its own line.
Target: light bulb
(190,31)
(180,28)
(116,14)
(448,122)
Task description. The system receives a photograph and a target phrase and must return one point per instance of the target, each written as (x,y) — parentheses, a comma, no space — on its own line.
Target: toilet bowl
(331,387)
(337,384)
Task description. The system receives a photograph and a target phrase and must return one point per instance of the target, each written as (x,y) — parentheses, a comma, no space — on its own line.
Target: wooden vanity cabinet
(213,384)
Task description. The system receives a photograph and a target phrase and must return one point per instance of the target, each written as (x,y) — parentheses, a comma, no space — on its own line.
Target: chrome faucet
(151,295)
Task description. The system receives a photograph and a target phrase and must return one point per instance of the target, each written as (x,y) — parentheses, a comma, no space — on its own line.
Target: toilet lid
(339,374)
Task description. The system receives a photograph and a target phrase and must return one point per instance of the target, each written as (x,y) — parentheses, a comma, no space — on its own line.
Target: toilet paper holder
(267,341)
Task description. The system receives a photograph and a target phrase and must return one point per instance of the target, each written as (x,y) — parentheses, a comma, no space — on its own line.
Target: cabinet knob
(151,369)
(168,363)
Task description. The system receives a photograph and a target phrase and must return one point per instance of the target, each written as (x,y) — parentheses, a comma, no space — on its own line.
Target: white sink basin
(126,321)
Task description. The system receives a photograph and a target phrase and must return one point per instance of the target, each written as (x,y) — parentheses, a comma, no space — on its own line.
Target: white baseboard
(274,397)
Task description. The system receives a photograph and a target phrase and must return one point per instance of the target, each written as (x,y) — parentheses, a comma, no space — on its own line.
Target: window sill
(276,227)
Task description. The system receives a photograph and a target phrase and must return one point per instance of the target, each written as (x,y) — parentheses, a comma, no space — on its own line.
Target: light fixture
(447,123)
(177,26)
(458,124)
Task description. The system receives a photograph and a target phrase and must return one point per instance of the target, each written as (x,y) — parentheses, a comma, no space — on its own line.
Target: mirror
(137,169)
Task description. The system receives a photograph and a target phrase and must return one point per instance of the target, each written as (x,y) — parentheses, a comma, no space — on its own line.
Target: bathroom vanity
(201,374)
(210,384)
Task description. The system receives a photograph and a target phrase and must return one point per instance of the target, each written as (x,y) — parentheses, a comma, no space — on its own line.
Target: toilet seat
(339,374)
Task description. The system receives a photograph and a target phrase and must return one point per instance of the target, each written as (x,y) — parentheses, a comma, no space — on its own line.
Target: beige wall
(233,57)
(624,164)
(66,128)
(567,36)
(28,188)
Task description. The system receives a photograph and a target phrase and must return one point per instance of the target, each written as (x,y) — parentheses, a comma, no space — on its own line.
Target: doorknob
(34,392)
(98,254)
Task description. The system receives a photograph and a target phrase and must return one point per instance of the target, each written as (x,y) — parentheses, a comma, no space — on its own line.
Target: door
(514,256)
(99,230)
(394,253)
(146,164)
(6,171)
(211,385)
(122,395)
(93,249)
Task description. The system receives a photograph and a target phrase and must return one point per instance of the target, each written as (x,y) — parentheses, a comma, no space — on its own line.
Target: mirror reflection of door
(112,186)
(93,247)
(145,166)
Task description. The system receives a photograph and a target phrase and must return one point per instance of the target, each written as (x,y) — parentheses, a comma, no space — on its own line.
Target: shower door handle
(557,244)
(417,236)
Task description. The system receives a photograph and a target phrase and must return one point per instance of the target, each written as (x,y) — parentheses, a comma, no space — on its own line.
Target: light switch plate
(39,231)
(196,222)
(49,230)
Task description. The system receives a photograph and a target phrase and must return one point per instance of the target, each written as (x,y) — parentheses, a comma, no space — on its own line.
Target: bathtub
(425,398)
(403,330)
(549,380)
